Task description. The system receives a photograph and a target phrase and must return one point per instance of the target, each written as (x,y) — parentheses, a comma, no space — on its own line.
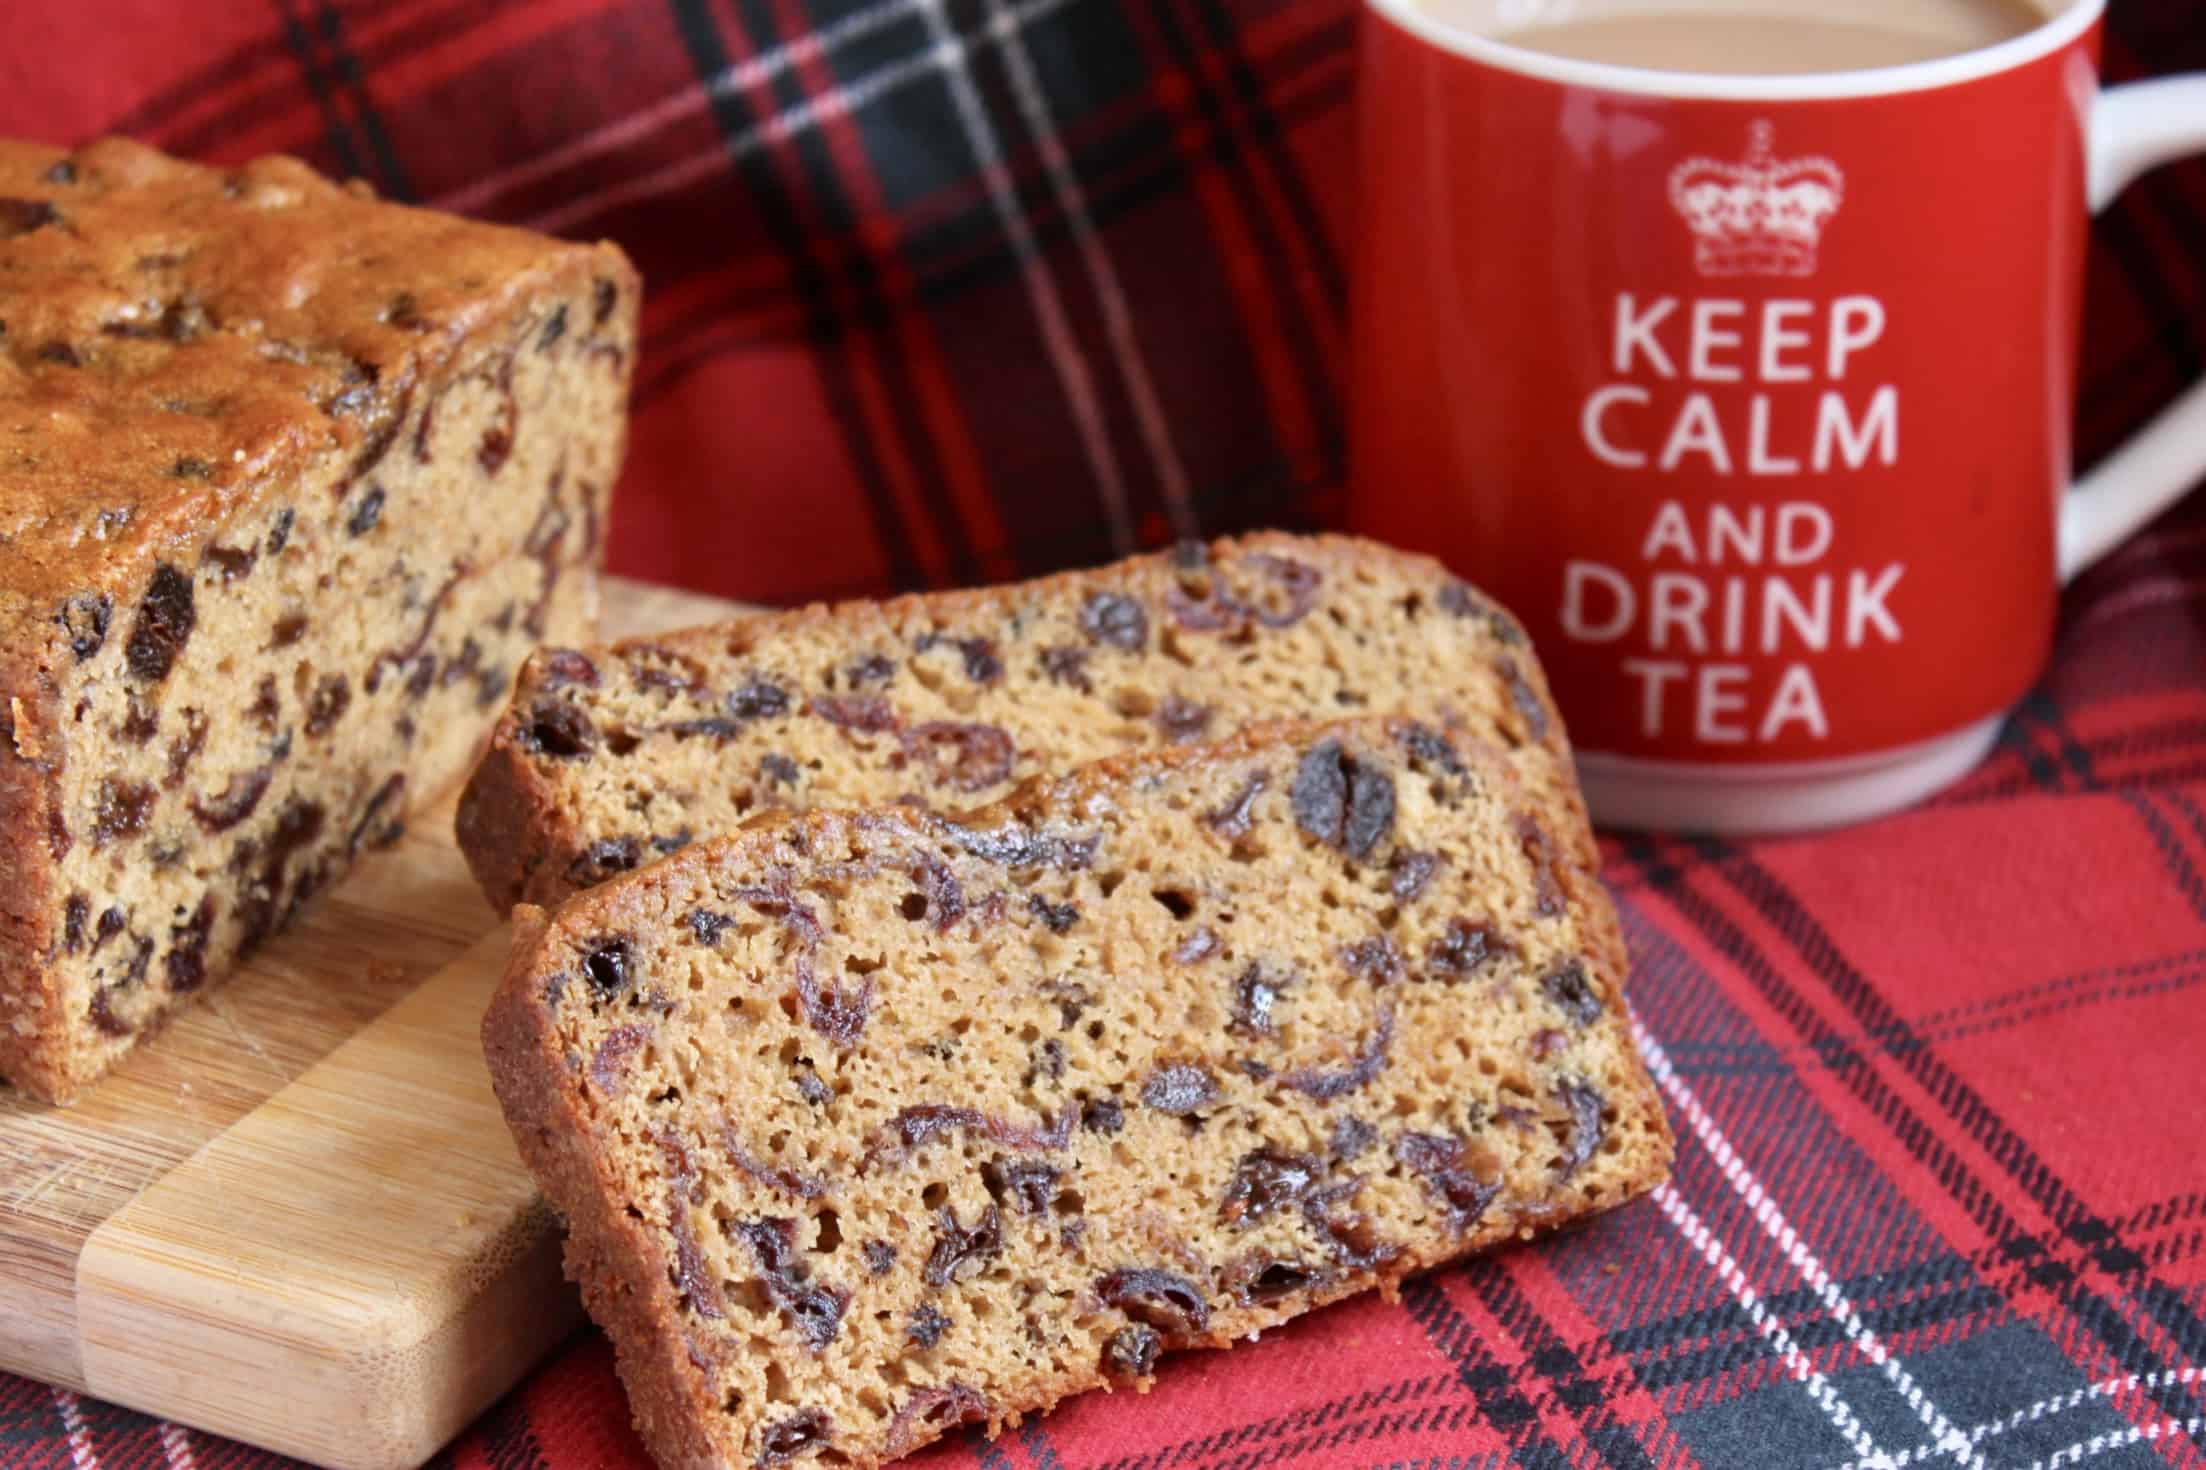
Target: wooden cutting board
(296,1217)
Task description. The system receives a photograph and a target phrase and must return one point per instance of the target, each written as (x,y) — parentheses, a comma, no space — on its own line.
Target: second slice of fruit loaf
(610,757)
(866,1124)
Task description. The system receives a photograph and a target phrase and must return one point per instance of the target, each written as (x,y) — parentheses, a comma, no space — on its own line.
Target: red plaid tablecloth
(947,290)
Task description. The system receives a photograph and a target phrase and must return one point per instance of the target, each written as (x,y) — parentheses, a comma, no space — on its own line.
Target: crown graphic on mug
(1761,216)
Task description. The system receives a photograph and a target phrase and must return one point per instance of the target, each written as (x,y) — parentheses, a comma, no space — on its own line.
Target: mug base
(1631,794)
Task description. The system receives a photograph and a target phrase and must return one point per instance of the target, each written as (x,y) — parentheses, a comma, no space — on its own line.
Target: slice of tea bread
(610,757)
(869,1124)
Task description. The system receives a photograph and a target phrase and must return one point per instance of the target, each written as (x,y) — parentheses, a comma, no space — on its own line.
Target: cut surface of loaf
(867,1124)
(610,757)
(294,479)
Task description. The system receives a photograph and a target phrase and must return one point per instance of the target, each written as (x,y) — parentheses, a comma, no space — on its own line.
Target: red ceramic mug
(1751,395)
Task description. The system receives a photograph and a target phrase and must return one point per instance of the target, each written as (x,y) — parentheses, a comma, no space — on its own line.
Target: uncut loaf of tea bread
(868,1124)
(610,757)
(291,480)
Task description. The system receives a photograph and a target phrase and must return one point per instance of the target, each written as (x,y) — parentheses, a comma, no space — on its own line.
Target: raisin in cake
(610,757)
(866,1124)
(291,481)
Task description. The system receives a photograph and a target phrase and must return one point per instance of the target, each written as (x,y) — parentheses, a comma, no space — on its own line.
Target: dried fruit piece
(610,967)
(1376,959)
(869,714)
(1055,917)
(1133,1351)
(163,627)
(931,1412)
(1180,1088)
(1327,1083)
(1439,1160)
(561,667)
(1028,1183)
(784,1440)
(758,699)
(605,858)
(327,705)
(1181,720)
(1341,800)
(1539,851)
(1587,1128)
(120,810)
(1232,819)
(366,513)
(1255,993)
(1571,989)
(1265,1180)
(982,664)
(1162,1299)
(1463,949)
(1110,617)
(186,964)
(957,1246)
(963,756)
(558,730)
(1068,666)
(84,618)
(1428,747)
(1524,696)
(237,801)
(22,216)
(926,1326)
(1411,871)
(1259,1278)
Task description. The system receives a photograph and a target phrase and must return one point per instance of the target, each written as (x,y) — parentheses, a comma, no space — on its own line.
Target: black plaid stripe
(1977,1119)
(754,172)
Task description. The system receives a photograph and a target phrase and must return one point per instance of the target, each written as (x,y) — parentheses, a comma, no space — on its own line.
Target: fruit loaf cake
(291,481)
(866,1124)
(609,757)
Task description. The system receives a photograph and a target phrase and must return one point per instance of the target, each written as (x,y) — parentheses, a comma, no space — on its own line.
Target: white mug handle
(2133,128)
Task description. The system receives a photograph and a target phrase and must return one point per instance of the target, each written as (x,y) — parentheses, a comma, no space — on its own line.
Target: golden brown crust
(623,1273)
(521,827)
(508,826)
(31,1022)
(563,1111)
(163,313)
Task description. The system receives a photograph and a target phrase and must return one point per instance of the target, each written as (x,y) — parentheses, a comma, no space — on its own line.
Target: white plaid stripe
(2100,1444)
(786,123)
(667,111)
(1110,297)
(1702,1239)
(2057,1405)
(80,1438)
(176,1446)
(1065,355)
(1949,1440)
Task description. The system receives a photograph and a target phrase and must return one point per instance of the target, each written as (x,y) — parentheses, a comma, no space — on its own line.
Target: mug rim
(2055,32)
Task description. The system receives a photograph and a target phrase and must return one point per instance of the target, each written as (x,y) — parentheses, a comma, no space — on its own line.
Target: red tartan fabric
(943,290)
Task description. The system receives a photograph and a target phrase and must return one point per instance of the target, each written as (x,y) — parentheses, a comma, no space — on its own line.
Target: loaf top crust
(178,335)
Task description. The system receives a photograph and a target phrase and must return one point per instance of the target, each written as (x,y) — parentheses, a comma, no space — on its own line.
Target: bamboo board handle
(352,1271)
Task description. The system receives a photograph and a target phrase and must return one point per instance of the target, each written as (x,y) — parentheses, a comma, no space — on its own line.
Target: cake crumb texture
(611,757)
(869,1124)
